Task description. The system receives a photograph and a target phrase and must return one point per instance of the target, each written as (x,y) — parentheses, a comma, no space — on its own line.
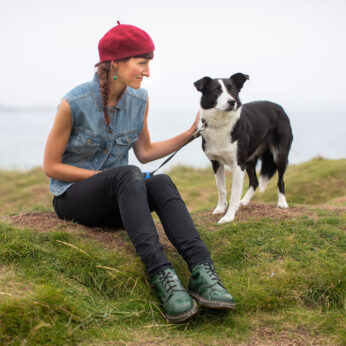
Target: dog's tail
(268,169)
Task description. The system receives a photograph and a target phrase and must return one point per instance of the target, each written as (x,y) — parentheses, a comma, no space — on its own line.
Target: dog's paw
(220,209)
(226,219)
(244,202)
(282,201)
(283,205)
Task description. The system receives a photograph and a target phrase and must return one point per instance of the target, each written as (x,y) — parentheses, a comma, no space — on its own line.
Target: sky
(293,51)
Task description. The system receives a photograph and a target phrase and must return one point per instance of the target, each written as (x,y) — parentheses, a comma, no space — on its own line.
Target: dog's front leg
(219,172)
(237,189)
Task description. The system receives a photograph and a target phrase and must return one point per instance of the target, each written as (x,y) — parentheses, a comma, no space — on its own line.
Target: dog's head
(221,93)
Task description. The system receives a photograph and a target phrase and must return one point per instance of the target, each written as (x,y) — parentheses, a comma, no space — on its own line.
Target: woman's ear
(115,65)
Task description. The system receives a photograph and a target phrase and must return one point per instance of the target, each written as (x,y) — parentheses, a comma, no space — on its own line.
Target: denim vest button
(105,151)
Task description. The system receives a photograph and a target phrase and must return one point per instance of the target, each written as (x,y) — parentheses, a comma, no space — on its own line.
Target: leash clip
(198,132)
(147,175)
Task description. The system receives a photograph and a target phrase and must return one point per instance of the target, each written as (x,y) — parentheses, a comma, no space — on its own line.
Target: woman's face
(132,71)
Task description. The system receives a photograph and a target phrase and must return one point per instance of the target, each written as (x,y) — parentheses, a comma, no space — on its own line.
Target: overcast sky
(294,51)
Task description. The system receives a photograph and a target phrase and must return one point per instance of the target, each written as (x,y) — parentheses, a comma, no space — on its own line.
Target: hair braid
(103,69)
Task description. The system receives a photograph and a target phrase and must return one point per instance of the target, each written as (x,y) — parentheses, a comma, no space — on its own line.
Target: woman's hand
(194,126)
(146,150)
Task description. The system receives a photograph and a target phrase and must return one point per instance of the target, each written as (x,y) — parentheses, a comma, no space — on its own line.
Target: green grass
(21,190)
(314,182)
(287,275)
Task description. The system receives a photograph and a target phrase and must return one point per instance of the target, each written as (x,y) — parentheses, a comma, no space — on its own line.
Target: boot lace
(167,280)
(209,268)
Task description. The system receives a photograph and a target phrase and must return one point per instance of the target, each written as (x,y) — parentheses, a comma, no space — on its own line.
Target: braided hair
(103,69)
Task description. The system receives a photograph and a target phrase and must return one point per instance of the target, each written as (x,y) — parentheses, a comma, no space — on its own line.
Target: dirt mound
(47,221)
(259,210)
(41,221)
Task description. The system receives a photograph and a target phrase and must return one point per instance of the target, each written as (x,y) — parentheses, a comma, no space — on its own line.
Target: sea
(23,133)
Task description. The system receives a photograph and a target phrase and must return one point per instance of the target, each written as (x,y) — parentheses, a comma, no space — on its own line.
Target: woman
(86,158)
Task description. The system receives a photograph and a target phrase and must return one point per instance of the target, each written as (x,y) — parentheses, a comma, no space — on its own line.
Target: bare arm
(147,151)
(55,147)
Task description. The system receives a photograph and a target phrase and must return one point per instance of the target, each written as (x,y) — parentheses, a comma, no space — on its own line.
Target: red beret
(124,41)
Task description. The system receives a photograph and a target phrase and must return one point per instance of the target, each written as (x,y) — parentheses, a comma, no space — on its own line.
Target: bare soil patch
(260,210)
(299,337)
(115,238)
(48,221)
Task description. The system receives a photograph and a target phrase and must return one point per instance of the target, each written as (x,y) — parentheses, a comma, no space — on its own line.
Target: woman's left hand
(194,126)
(147,151)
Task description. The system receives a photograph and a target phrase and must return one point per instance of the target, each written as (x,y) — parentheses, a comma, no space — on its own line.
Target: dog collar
(205,124)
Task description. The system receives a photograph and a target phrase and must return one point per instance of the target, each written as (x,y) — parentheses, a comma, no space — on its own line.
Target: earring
(115,76)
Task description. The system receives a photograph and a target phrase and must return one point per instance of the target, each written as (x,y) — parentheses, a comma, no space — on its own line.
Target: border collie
(238,136)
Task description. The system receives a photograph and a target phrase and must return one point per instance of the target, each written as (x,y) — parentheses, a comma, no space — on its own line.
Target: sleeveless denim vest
(92,144)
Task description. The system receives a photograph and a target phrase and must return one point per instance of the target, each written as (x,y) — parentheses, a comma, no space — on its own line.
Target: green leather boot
(177,304)
(206,287)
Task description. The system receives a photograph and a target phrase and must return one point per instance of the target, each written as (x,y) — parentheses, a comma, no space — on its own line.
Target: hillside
(318,181)
(62,283)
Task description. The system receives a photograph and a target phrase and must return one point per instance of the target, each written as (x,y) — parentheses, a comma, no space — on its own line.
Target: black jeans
(121,198)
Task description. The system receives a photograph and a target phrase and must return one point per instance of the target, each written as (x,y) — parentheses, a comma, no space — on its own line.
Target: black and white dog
(238,136)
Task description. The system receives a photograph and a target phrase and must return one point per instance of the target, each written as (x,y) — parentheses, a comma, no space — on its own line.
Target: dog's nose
(231,103)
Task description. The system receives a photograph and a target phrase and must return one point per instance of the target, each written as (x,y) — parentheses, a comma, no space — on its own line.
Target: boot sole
(212,304)
(183,317)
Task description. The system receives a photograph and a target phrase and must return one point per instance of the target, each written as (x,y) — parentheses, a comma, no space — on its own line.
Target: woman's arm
(55,147)
(147,151)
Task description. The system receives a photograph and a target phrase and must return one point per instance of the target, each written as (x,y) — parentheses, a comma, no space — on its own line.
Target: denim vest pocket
(124,143)
(86,145)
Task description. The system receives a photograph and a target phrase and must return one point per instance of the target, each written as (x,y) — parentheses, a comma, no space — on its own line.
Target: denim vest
(92,144)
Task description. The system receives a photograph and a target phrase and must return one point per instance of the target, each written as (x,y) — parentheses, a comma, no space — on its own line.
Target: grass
(287,275)
(20,190)
(314,182)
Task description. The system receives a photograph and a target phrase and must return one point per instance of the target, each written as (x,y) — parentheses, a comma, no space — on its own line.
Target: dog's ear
(238,80)
(202,83)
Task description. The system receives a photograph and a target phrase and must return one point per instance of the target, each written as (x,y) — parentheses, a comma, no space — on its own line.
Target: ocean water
(23,134)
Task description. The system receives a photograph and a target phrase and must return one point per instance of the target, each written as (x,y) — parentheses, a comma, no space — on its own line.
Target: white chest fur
(217,135)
